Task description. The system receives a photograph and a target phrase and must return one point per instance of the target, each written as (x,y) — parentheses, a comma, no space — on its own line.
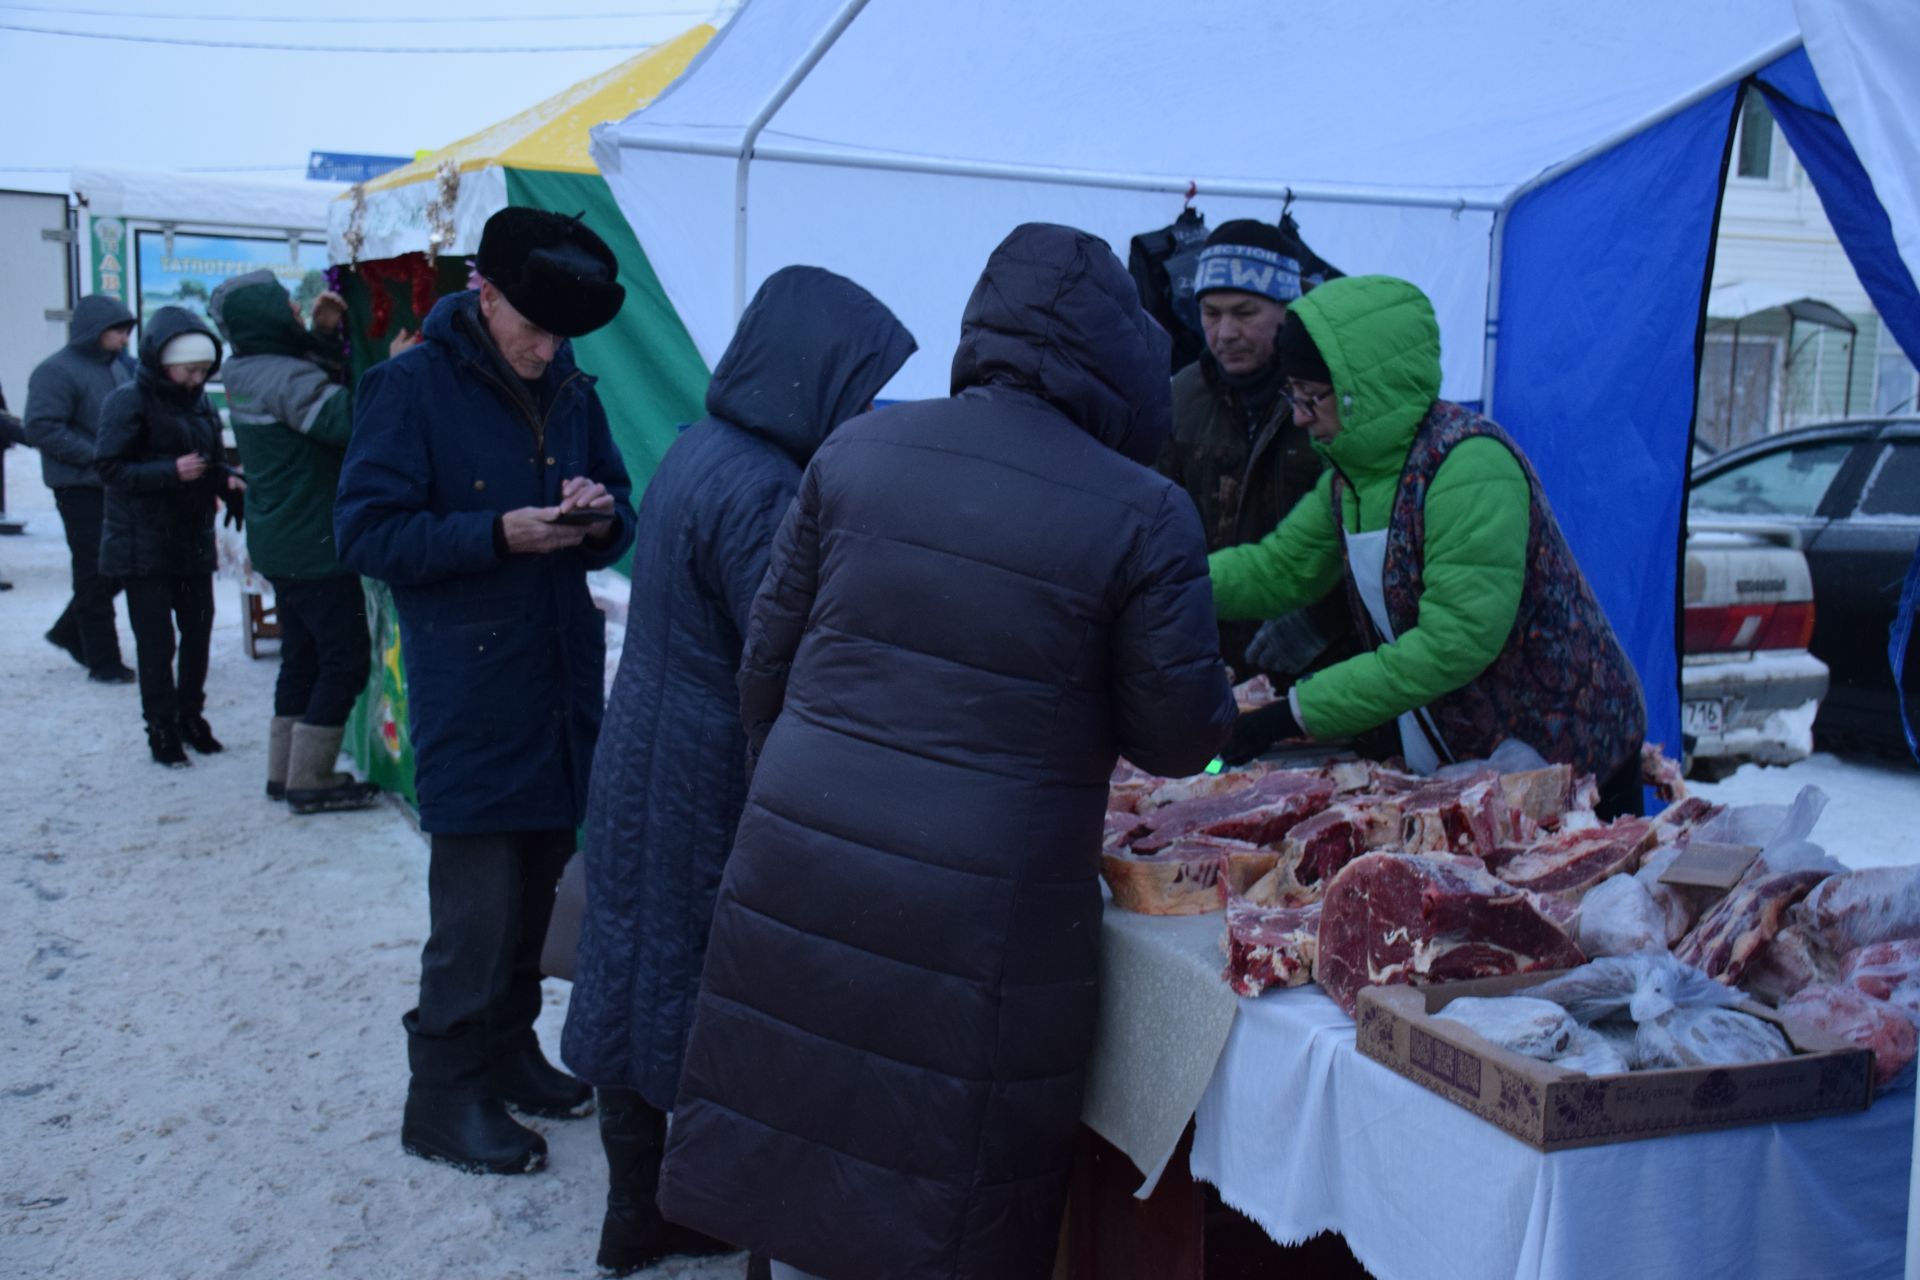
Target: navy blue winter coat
(669,778)
(505,656)
(974,604)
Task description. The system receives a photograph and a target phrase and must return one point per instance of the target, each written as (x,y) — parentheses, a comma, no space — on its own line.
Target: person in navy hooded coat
(472,455)
(669,779)
(973,607)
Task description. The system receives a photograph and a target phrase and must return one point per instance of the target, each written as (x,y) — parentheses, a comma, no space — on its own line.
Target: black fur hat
(553,269)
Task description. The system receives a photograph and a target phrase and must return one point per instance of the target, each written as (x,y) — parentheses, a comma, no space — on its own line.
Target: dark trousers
(490,897)
(87,622)
(325,654)
(155,606)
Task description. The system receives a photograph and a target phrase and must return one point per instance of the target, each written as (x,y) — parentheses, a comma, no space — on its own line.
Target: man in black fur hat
(482,484)
(1234,447)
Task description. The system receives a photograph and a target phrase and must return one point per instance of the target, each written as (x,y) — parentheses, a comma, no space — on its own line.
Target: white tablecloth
(1303,1135)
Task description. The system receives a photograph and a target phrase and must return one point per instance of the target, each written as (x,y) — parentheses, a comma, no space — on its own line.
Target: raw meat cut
(1729,936)
(1619,916)
(1128,785)
(1794,959)
(1467,815)
(1255,694)
(1259,814)
(1661,773)
(1250,866)
(1887,971)
(1586,794)
(1200,786)
(1421,919)
(1677,906)
(1861,1020)
(1330,839)
(1539,795)
(1526,1026)
(1673,824)
(1181,880)
(1860,908)
(1270,946)
(1707,1037)
(1572,862)
(1350,775)
(1122,825)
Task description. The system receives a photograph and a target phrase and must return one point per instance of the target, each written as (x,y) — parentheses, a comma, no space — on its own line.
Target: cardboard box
(1552,1109)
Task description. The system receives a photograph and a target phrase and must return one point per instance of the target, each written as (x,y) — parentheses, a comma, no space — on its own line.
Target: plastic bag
(1887,971)
(1511,756)
(1619,916)
(1534,1028)
(1676,907)
(1595,1053)
(1780,831)
(1698,1037)
(1645,985)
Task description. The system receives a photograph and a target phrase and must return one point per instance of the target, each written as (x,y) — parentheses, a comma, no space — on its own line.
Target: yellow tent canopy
(552,135)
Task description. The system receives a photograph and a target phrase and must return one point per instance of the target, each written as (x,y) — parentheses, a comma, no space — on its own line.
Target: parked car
(1849,494)
(1749,689)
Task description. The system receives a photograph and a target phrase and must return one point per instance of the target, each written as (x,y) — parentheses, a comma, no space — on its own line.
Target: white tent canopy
(925,132)
(205,200)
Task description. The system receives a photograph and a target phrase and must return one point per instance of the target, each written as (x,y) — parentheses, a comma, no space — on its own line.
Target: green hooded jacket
(291,418)
(1381,343)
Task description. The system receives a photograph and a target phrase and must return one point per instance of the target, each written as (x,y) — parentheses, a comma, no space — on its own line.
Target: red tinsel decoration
(414,270)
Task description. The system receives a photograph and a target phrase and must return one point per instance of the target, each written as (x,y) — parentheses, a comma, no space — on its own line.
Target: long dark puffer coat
(974,604)
(669,778)
(156,524)
(506,655)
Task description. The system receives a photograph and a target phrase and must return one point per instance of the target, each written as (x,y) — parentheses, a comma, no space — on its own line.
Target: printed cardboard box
(1551,1108)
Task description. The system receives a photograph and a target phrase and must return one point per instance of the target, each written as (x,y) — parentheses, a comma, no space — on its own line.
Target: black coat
(156,524)
(505,655)
(669,777)
(974,604)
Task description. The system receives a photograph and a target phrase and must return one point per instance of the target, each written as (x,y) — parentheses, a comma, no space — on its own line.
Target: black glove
(1288,644)
(1255,732)
(236,501)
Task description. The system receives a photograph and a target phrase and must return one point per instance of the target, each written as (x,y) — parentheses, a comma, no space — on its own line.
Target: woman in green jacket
(1481,627)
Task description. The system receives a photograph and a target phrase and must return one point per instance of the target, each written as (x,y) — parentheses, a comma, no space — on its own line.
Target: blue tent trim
(1601,311)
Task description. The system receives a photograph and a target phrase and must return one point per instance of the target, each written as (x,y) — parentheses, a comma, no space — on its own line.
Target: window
(1786,482)
(1894,381)
(1755,150)
(1894,487)
(1735,403)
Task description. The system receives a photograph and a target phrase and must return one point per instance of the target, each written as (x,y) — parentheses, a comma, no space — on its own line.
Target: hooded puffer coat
(669,778)
(974,605)
(66,391)
(156,524)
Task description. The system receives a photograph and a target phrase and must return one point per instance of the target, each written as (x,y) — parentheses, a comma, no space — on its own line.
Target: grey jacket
(67,389)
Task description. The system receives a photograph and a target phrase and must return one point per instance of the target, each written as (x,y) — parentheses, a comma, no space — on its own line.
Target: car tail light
(1730,628)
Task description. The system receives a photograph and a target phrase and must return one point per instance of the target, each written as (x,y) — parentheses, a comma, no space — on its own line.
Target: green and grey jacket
(292,418)
(1480,587)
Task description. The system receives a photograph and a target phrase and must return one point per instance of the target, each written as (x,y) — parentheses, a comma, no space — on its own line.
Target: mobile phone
(583,515)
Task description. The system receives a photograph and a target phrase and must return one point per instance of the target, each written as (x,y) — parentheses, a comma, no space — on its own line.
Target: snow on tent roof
(205,199)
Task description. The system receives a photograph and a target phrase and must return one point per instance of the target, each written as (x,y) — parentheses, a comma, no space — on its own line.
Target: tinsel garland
(414,270)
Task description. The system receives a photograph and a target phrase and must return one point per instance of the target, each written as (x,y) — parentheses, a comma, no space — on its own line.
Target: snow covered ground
(202,1069)
(201,1062)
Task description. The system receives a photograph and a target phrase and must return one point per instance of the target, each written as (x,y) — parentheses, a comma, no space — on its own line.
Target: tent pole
(848,12)
(1506,207)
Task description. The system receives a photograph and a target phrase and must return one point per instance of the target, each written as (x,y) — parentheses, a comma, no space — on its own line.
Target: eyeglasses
(1307,400)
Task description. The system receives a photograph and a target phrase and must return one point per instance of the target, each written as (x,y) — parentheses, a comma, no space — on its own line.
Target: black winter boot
(471,1133)
(163,740)
(524,1080)
(199,734)
(634,1235)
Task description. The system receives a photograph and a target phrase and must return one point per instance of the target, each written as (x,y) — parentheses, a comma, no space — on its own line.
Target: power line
(628,46)
(611,16)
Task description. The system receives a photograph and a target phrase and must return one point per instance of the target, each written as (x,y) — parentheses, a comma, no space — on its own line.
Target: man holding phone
(482,484)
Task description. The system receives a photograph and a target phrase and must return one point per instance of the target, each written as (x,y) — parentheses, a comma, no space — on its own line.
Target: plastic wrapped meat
(1859,908)
(1595,1053)
(1408,918)
(1533,1028)
(1270,946)
(1861,1020)
(1708,1037)
(1643,986)
(1887,971)
(1677,909)
(1619,916)
(1794,959)
(1741,924)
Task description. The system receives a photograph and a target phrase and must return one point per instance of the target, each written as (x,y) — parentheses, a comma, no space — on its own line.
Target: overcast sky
(73,101)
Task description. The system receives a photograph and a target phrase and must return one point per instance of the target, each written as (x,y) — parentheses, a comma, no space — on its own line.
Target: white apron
(1367,562)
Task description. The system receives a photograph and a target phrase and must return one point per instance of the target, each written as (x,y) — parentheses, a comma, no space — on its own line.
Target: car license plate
(1703,718)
